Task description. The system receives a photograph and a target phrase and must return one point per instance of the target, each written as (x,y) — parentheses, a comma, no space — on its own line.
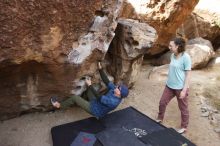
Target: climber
(98,105)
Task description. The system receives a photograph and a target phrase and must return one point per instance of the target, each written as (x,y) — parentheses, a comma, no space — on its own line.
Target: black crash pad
(63,135)
(124,127)
(166,137)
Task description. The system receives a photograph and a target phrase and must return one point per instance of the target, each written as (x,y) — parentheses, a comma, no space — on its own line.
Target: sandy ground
(34,129)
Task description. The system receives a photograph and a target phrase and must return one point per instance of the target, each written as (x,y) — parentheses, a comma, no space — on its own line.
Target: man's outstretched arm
(103,74)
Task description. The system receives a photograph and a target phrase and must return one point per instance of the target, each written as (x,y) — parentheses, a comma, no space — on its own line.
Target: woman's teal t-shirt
(177,69)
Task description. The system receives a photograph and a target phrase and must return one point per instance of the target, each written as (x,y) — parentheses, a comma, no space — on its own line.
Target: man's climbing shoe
(55,102)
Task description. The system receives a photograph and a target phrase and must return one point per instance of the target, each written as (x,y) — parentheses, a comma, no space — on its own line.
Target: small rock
(215,110)
(205,114)
(214,122)
(203,110)
(217,116)
(217,130)
(204,107)
(211,116)
(202,100)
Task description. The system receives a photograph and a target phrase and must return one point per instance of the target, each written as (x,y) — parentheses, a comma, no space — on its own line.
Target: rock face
(201,51)
(165,16)
(47,46)
(43,31)
(132,41)
(202,24)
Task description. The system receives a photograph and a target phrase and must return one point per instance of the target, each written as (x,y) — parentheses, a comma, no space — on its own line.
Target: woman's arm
(186,83)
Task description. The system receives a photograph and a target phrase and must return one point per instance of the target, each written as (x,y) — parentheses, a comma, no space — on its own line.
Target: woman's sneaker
(182,130)
(158,121)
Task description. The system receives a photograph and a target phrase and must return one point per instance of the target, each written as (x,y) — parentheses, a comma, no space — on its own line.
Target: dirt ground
(34,129)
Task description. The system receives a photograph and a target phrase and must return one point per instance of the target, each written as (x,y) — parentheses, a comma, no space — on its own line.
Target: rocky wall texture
(166,16)
(202,24)
(47,46)
(43,31)
(125,55)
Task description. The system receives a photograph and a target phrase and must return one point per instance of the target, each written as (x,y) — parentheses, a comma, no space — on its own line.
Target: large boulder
(132,41)
(203,24)
(47,46)
(201,51)
(165,16)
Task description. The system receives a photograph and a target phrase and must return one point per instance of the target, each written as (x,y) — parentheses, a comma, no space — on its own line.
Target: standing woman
(177,84)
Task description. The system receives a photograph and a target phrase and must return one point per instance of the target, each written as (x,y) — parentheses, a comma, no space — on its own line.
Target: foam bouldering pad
(118,137)
(130,118)
(85,139)
(166,137)
(126,127)
(64,135)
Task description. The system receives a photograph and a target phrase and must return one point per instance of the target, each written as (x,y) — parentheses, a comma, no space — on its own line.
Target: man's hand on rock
(88,81)
(99,65)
